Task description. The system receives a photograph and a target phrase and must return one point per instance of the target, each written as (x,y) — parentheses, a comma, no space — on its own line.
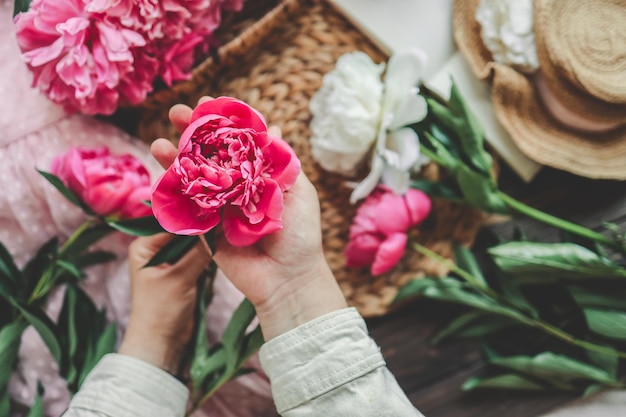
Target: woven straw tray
(276,65)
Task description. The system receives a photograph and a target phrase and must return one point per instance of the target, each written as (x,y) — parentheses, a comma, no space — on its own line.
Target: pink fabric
(32,132)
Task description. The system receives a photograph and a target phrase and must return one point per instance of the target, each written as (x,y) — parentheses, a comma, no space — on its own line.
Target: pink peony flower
(92,55)
(378,235)
(79,59)
(110,185)
(228,169)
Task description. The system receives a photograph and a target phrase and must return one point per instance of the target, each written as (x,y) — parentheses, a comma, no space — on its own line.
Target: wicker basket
(276,65)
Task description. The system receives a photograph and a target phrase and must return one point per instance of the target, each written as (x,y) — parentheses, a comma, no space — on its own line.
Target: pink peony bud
(378,235)
(110,185)
(228,169)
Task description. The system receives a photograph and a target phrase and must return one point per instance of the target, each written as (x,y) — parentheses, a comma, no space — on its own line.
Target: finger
(275,131)
(204,99)
(143,248)
(164,152)
(179,115)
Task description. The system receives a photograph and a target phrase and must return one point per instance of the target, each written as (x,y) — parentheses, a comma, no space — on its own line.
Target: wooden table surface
(432,376)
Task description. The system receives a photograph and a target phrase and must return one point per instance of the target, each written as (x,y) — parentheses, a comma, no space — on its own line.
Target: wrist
(299,301)
(164,354)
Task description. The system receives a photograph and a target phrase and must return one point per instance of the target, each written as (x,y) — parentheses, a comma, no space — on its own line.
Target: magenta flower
(111,186)
(378,235)
(228,169)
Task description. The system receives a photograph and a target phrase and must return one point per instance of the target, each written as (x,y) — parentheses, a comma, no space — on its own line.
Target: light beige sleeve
(331,367)
(122,386)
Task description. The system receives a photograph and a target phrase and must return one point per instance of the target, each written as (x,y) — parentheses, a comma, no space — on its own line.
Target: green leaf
(105,344)
(470,132)
(609,296)
(473,324)
(37,407)
(44,326)
(233,338)
(84,335)
(593,389)
(34,269)
(557,369)
(553,259)
(5,402)
(465,260)
(504,381)
(607,323)
(141,226)
(10,337)
(94,258)
(70,268)
(438,152)
(173,250)
(252,343)
(199,369)
(66,192)
(452,290)
(21,6)
(610,363)
(87,238)
(437,189)
(479,191)
(10,275)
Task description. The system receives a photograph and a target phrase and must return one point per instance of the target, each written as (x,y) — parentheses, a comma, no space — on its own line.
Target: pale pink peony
(228,169)
(92,55)
(80,60)
(109,185)
(378,235)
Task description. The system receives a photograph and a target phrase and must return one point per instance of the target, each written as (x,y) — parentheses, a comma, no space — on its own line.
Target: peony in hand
(378,235)
(111,186)
(228,169)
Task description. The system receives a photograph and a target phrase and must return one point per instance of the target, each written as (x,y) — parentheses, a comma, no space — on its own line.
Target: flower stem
(539,215)
(528,321)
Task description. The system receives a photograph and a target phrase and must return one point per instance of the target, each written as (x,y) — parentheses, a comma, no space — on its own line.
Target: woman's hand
(163,301)
(285,274)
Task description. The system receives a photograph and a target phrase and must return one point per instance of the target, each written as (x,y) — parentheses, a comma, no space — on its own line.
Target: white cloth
(327,367)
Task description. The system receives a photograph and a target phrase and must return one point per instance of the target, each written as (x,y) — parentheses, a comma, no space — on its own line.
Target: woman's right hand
(285,275)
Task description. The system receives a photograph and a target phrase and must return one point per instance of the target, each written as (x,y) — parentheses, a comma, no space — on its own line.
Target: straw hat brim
(571,87)
(520,110)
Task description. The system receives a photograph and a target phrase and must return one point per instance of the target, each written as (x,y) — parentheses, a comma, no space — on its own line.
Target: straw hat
(571,114)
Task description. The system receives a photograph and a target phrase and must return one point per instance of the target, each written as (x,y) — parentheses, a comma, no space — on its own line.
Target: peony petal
(285,163)
(184,145)
(404,71)
(419,205)
(239,112)
(389,253)
(361,250)
(370,182)
(392,215)
(239,232)
(412,109)
(177,213)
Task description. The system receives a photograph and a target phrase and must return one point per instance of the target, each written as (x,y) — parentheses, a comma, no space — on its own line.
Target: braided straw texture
(277,67)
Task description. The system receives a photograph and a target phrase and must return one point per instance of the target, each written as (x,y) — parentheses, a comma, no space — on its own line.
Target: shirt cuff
(318,357)
(121,385)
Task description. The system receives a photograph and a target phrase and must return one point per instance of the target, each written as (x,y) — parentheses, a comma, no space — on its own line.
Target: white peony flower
(346,113)
(397,149)
(507,31)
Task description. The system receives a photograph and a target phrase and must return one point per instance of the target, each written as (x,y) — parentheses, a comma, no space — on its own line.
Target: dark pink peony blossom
(378,235)
(228,169)
(110,185)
